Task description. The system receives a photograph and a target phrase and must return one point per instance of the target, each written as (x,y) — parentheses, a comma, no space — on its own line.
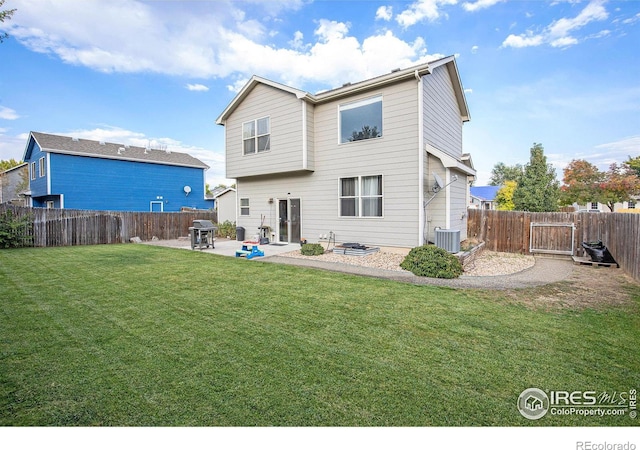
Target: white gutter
(304,135)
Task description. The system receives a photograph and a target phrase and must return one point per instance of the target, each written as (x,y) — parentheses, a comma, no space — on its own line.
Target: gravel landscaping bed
(487,264)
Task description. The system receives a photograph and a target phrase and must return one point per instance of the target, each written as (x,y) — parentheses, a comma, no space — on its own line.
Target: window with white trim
(244,206)
(361,120)
(33,170)
(594,205)
(42,170)
(256,136)
(631,204)
(361,196)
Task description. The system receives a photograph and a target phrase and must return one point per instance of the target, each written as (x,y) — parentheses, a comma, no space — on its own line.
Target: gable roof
(485,193)
(53,143)
(353,88)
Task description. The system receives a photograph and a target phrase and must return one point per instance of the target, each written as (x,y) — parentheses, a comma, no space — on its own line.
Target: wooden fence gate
(552,238)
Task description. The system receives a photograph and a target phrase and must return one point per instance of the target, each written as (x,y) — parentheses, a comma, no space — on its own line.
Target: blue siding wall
(39,185)
(105,184)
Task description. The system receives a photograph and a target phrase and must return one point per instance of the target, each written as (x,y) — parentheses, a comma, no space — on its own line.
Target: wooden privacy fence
(61,227)
(511,231)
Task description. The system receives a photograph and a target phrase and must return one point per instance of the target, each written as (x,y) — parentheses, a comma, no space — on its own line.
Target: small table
(249,250)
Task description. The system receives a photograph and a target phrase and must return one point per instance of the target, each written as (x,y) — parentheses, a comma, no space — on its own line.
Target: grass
(132,335)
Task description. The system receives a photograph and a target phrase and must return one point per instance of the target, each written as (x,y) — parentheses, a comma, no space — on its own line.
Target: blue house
(66,172)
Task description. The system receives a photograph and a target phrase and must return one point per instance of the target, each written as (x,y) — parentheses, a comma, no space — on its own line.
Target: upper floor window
(33,170)
(361,196)
(42,168)
(361,120)
(256,136)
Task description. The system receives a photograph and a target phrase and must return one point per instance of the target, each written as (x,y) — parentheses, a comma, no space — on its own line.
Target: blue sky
(564,73)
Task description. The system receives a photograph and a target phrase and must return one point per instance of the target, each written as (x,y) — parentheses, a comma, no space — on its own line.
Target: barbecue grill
(202,234)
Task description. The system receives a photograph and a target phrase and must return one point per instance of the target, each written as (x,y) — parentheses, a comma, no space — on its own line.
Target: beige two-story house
(378,162)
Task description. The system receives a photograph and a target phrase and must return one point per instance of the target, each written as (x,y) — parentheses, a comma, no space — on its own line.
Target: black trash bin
(240,233)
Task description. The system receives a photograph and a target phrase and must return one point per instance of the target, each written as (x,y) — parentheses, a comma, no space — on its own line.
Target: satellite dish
(438,184)
(187,189)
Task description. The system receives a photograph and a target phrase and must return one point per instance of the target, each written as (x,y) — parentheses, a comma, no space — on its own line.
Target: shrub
(227,229)
(312,249)
(431,261)
(15,231)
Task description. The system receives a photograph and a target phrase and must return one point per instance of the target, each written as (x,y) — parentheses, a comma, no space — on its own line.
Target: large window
(256,136)
(361,196)
(361,120)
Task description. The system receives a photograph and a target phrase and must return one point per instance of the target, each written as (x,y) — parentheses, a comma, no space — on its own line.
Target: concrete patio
(224,247)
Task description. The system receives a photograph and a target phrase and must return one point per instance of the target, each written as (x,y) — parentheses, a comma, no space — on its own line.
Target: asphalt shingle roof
(83,147)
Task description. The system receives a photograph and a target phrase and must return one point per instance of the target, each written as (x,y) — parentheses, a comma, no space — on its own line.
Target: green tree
(538,189)
(8,163)
(366,133)
(5,15)
(633,164)
(581,183)
(504,196)
(502,173)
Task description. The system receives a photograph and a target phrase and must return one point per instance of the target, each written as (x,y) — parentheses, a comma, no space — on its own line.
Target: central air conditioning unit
(448,240)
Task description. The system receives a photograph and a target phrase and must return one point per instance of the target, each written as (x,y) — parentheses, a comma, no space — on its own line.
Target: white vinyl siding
(285,153)
(442,120)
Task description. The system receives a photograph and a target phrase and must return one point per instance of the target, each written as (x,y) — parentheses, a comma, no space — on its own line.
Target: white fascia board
(449,161)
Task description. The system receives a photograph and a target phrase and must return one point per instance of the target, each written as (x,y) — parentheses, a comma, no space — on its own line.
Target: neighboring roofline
(15,167)
(202,165)
(349,89)
(223,192)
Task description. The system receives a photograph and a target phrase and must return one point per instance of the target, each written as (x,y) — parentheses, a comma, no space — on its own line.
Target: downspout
(304,135)
(48,172)
(447,200)
(421,156)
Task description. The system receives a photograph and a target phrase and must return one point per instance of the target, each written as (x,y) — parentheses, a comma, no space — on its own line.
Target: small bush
(431,261)
(311,249)
(15,231)
(226,229)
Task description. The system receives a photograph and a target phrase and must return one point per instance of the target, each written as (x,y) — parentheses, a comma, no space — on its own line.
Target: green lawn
(141,335)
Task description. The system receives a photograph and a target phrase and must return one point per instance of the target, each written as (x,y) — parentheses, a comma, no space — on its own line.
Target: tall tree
(5,15)
(538,189)
(502,173)
(581,183)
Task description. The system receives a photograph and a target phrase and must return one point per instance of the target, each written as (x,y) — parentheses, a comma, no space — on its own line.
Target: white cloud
(197,87)
(384,13)
(557,34)
(423,10)
(474,49)
(468,91)
(207,40)
(480,4)
(8,113)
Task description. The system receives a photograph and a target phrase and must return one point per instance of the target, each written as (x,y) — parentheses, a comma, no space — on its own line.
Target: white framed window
(361,120)
(631,204)
(42,170)
(361,196)
(256,136)
(244,206)
(593,205)
(50,204)
(33,170)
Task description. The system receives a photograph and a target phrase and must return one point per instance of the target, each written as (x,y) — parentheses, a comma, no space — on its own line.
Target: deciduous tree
(619,185)
(504,196)
(581,183)
(502,173)
(5,15)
